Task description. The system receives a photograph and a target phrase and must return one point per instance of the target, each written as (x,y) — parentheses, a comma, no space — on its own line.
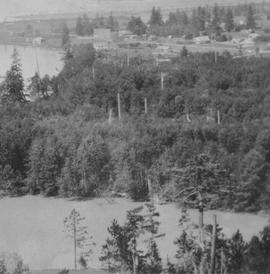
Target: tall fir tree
(79,234)
(13,86)
(156,17)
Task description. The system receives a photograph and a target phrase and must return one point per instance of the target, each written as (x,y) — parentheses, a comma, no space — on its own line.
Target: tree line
(206,20)
(212,21)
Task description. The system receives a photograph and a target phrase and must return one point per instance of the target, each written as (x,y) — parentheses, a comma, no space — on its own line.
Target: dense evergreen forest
(206,126)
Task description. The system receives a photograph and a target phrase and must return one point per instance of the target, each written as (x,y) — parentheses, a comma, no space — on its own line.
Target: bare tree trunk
(162,80)
(213,249)
(218,117)
(134,264)
(201,218)
(145,106)
(75,242)
(93,73)
(110,116)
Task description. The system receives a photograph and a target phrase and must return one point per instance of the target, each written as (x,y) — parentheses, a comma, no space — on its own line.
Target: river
(33,59)
(33,227)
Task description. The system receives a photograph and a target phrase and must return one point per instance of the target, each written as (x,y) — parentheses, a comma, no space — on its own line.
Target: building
(201,39)
(103,35)
(104,39)
(104,45)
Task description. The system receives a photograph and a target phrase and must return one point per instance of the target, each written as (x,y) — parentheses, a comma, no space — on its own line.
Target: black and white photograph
(135,136)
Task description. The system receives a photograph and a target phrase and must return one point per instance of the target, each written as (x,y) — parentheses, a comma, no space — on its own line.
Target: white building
(201,39)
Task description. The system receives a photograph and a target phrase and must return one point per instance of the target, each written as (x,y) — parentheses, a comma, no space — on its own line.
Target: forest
(102,127)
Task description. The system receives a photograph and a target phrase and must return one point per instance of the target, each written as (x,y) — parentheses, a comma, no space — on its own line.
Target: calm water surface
(33,227)
(46,61)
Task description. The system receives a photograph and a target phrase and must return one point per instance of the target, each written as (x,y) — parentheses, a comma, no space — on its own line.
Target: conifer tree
(237,249)
(151,225)
(78,232)
(13,87)
(156,18)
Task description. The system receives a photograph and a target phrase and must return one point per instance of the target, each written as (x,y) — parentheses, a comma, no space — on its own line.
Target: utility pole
(119,106)
(213,248)
(150,190)
(110,116)
(145,106)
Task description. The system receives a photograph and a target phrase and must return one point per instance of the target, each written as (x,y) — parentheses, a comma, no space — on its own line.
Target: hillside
(211,114)
(132,7)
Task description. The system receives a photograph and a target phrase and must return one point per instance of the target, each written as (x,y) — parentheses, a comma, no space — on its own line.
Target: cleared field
(33,227)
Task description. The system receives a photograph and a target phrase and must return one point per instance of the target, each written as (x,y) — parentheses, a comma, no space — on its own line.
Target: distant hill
(11,8)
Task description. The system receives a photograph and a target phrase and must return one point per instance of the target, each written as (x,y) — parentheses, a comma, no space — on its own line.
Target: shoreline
(29,45)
